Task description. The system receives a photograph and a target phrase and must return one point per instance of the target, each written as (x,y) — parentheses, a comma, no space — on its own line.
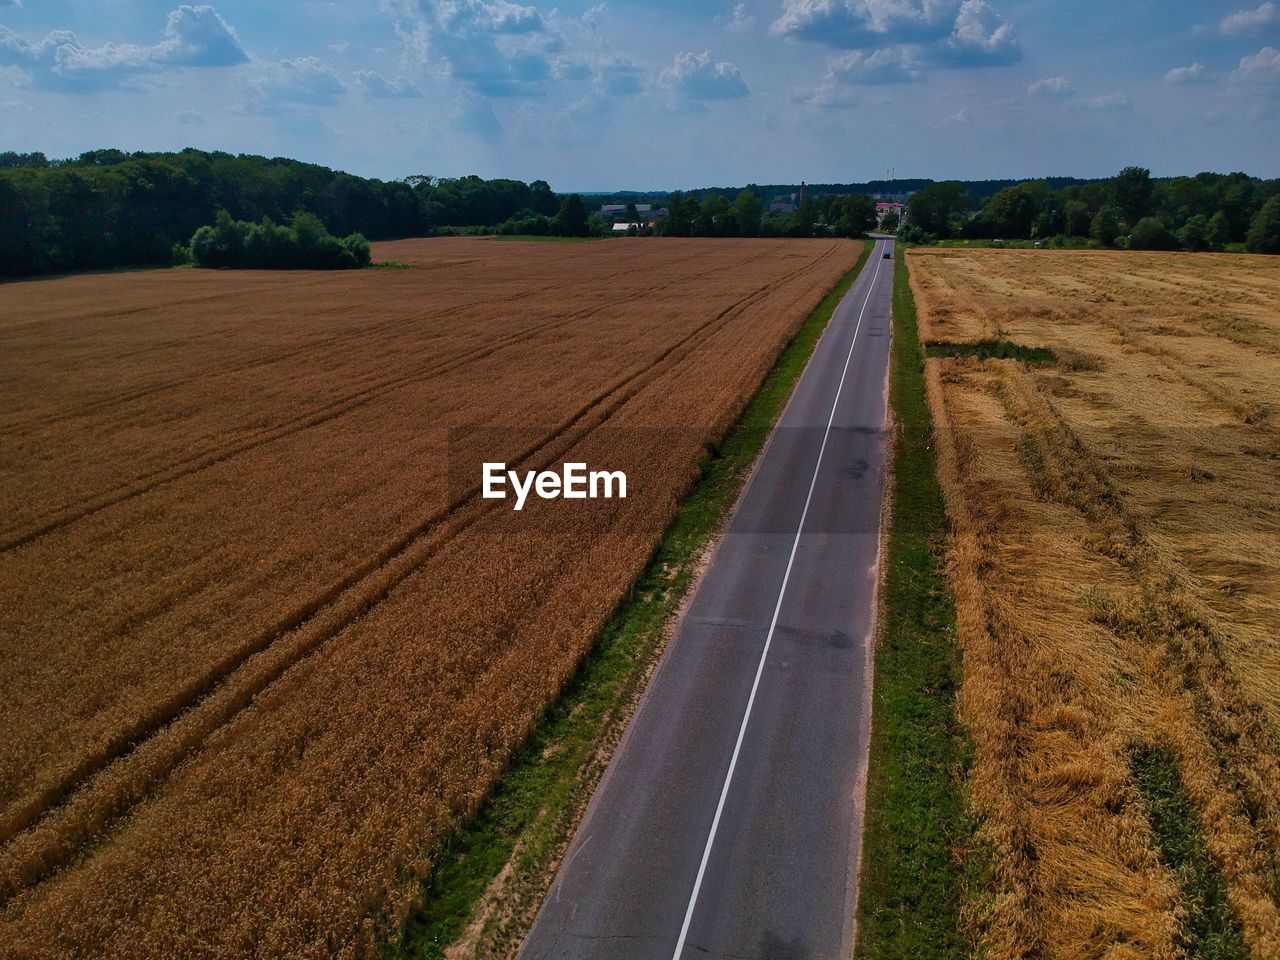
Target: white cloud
(1191,74)
(866,23)
(826,96)
(190,118)
(887,65)
(856,68)
(193,37)
(305,81)
(945,33)
(979,39)
(617,74)
(1107,103)
(738,20)
(1261,67)
(494,47)
(1051,87)
(698,77)
(1250,21)
(375,84)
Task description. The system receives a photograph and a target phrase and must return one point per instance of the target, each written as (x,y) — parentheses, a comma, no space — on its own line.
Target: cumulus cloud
(943,33)
(375,84)
(698,77)
(1051,87)
(979,38)
(1191,74)
(1242,22)
(193,37)
(866,23)
(494,47)
(306,81)
(1261,67)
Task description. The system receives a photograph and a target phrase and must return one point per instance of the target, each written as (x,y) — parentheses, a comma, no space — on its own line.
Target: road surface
(728,824)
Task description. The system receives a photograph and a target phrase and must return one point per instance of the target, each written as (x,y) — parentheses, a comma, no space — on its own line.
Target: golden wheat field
(263,643)
(1116,560)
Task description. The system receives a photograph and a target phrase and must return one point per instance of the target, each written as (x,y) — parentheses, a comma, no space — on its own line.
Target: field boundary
(490,878)
(914,877)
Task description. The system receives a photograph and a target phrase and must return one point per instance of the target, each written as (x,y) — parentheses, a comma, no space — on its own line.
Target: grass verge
(1210,930)
(531,811)
(914,866)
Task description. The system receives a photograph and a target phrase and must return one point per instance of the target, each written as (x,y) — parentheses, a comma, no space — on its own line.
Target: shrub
(1150,233)
(306,244)
(1194,234)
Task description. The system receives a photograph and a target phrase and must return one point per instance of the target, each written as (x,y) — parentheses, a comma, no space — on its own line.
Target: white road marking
(777,609)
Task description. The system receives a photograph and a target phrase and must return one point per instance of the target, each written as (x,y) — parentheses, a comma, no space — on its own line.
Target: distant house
(887,207)
(613,210)
(782,206)
(626,226)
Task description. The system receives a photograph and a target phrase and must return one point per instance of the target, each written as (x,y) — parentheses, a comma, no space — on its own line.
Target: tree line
(108,208)
(1208,211)
(845,215)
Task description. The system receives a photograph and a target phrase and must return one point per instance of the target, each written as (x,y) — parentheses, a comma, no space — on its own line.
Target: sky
(656,94)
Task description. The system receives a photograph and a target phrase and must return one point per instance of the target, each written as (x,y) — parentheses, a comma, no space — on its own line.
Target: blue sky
(659,94)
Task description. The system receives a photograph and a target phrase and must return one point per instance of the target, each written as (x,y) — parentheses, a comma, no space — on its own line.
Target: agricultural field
(1108,446)
(264,645)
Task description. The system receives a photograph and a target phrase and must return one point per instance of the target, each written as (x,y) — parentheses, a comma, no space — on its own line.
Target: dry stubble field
(1116,559)
(260,651)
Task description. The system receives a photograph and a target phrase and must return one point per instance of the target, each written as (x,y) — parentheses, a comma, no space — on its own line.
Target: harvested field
(1116,561)
(263,643)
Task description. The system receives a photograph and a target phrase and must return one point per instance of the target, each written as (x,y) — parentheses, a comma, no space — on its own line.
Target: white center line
(777,609)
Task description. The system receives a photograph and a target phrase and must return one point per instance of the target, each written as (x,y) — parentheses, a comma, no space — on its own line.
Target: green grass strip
(532,806)
(994,350)
(1210,930)
(914,867)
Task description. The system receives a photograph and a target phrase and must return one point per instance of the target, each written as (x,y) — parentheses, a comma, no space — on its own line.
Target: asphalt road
(728,824)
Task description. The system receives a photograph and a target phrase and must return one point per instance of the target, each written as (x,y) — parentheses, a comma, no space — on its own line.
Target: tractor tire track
(151,480)
(136,762)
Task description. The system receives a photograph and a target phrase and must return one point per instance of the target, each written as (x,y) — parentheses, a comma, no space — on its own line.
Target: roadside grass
(531,810)
(1210,930)
(994,350)
(916,862)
